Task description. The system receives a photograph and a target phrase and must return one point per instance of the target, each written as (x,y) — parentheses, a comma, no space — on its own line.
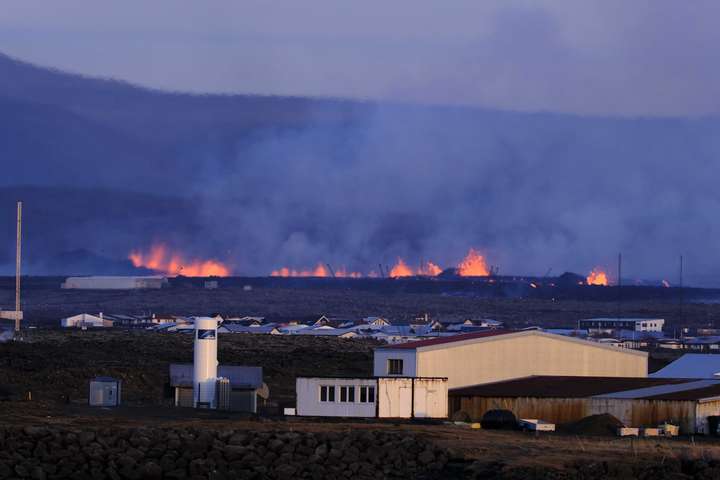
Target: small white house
(376,321)
(382,397)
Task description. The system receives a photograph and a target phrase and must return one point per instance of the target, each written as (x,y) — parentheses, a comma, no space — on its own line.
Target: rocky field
(55,364)
(315,451)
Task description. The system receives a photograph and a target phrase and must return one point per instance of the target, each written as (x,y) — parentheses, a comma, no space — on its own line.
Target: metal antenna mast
(18,248)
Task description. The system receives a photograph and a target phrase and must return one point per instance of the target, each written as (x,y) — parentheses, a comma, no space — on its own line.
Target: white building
(608,325)
(372,397)
(114,283)
(483,357)
(85,320)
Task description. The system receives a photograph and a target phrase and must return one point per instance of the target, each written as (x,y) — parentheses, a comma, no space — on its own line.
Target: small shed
(105,392)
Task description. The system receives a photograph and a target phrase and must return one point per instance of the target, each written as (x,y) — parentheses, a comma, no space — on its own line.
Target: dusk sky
(613,57)
(621,158)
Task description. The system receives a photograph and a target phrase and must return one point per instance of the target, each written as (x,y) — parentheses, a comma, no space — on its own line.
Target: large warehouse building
(114,283)
(636,402)
(478,358)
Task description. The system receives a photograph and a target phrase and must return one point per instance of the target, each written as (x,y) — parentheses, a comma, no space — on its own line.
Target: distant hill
(65,129)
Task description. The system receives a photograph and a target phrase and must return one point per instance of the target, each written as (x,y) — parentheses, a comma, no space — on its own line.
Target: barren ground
(45,303)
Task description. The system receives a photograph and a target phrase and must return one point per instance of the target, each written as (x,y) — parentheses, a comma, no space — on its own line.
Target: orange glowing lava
(597,277)
(160,260)
(473,265)
(319,271)
(429,269)
(400,269)
(343,273)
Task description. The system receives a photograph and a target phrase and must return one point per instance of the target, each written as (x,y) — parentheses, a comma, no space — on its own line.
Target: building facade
(477,358)
(636,402)
(385,397)
(608,325)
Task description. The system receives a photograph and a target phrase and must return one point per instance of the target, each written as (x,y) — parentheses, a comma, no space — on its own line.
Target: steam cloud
(531,191)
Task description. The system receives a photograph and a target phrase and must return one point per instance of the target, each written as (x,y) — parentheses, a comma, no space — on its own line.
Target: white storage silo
(205,363)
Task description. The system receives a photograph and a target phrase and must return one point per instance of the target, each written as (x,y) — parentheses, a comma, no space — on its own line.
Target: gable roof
(450,339)
(691,365)
(469,337)
(542,386)
(687,390)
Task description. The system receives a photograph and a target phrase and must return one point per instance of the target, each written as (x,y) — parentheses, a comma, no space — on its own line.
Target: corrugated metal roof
(688,390)
(620,320)
(450,339)
(691,365)
(561,386)
(696,394)
(496,333)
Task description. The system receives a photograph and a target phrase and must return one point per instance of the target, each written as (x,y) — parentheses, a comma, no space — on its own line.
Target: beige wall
(524,354)
(412,397)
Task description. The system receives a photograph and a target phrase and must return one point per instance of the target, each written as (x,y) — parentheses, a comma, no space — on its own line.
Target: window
(347,394)
(205,334)
(367,394)
(395,366)
(327,393)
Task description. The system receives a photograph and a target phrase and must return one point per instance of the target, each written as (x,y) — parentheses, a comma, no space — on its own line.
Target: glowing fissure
(472,265)
(160,260)
(597,277)
(319,271)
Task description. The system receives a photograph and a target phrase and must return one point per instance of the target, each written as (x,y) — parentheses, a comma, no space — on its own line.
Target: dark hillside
(161,116)
(270,182)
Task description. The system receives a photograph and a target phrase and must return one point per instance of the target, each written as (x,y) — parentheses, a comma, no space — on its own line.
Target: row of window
(347,393)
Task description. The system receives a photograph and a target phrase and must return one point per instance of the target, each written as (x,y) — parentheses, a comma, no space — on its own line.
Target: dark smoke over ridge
(532,191)
(267,182)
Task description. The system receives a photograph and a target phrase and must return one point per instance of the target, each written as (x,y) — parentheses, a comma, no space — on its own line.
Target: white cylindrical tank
(205,362)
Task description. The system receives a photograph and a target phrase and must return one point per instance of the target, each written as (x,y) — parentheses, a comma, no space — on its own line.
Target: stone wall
(116,453)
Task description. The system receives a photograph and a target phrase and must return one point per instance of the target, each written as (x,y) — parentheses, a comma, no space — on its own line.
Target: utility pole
(18,254)
(619,284)
(682,313)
